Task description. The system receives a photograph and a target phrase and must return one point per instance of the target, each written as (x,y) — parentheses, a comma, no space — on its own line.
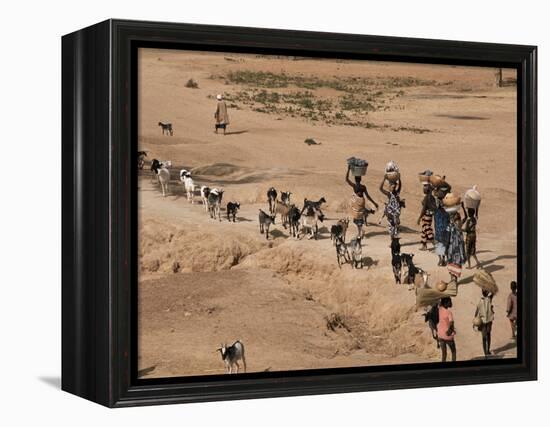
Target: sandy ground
(204,282)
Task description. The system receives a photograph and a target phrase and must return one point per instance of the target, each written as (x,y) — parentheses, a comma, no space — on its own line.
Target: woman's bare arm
(369,198)
(384,192)
(347,177)
(423,210)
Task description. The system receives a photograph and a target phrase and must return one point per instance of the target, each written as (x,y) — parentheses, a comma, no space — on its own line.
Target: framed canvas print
(258,213)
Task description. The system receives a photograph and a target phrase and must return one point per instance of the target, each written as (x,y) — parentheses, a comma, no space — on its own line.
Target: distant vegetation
(297,96)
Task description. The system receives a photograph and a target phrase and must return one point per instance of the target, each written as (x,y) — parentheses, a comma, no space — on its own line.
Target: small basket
(451,200)
(358,170)
(436,180)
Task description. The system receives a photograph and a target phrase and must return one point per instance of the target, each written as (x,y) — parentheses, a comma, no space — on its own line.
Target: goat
(155,165)
(396,259)
(356,250)
(265,221)
(231,356)
(285,197)
(342,252)
(166,127)
(415,276)
(432,318)
(339,230)
(283,210)
(232,209)
(314,204)
(294,221)
(214,203)
(162,174)
(141,159)
(205,191)
(271,197)
(309,221)
(189,185)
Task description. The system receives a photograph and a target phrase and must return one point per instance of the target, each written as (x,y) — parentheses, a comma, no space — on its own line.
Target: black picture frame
(99,212)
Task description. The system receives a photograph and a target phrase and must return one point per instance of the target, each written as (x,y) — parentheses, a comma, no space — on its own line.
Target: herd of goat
(299,221)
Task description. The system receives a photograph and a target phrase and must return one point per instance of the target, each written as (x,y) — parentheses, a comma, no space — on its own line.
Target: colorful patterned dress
(456,255)
(393,213)
(427,234)
(471,236)
(441,237)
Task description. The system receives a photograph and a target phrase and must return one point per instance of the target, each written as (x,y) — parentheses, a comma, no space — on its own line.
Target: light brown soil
(203,282)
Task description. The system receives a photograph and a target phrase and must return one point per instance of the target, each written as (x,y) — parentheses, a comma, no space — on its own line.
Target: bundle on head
(485,281)
(428,297)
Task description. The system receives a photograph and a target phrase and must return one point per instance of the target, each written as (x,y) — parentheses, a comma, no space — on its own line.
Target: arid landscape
(293,123)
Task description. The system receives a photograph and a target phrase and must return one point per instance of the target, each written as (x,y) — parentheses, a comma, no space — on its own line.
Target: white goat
(214,202)
(189,185)
(205,191)
(163,176)
(231,356)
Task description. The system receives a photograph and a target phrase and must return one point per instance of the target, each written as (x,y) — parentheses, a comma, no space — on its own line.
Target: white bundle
(391,166)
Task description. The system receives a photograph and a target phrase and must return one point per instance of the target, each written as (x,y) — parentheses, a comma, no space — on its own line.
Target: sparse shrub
(192,84)
(336,321)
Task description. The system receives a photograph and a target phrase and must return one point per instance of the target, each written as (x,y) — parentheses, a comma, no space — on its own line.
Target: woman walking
(426,217)
(469,228)
(358,199)
(446,329)
(456,255)
(393,207)
(441,238)
(486,315)
(512,308)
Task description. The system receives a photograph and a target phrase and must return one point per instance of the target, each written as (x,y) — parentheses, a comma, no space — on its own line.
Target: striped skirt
(427,234)
(454,269)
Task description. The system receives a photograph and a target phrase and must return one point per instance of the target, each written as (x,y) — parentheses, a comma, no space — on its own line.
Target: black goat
(232,209)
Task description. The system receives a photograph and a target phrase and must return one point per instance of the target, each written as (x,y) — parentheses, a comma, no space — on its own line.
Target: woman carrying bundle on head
(441,218)
(469,228)
(456,255)
(360,193)
(427,211)
(470,207)
(393,206)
